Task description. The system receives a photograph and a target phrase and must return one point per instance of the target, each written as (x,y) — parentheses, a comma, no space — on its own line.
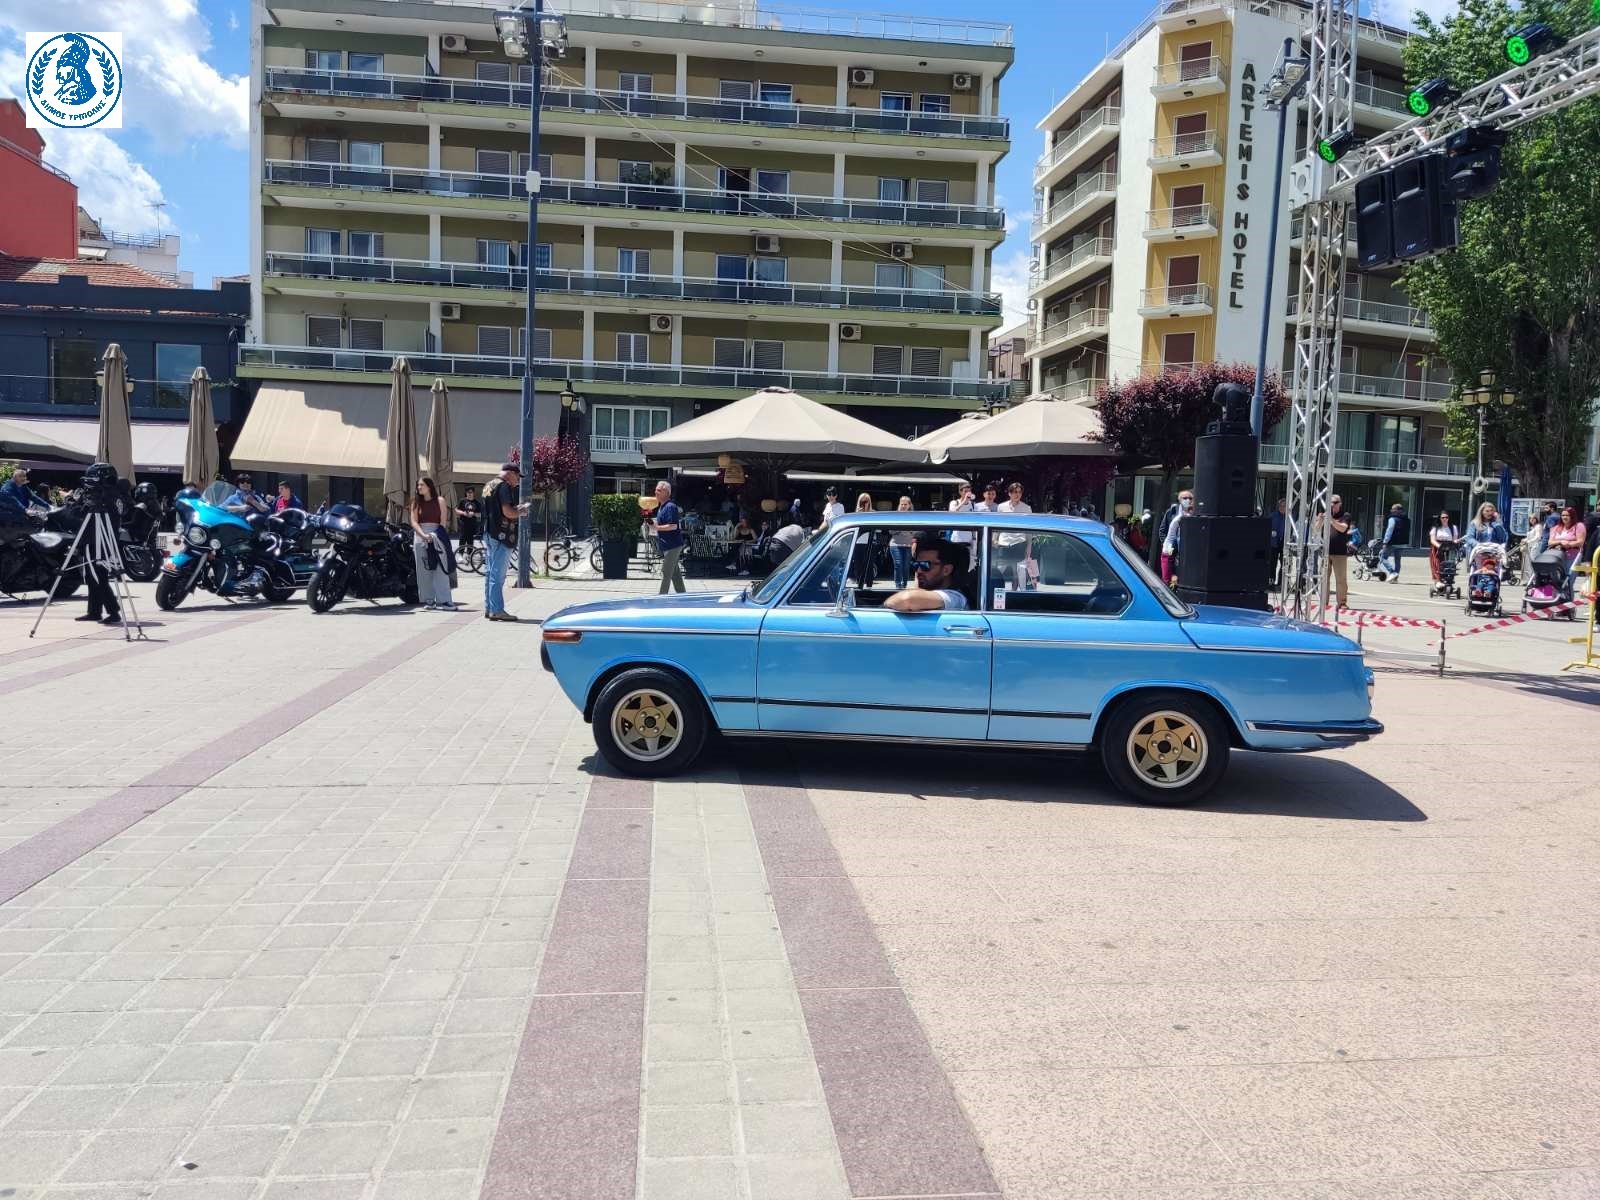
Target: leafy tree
(1155,418)
(557,463)
(1521,296)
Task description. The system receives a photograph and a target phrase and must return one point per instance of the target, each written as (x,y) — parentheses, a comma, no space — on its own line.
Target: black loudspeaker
(1374,233)
(1225,556)
(1421,208)
(1224,475)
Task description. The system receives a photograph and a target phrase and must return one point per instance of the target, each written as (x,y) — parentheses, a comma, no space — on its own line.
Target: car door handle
(969,630)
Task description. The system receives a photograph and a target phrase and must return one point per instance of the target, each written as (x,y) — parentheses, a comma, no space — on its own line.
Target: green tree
(1521,296)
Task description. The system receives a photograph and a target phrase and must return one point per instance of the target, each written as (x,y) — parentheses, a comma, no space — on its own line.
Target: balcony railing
(1376,311)
(1390,387)
(606,444)
(1194,70)
(1075,390)
(1184,216)
(1283,10)
(1182,145)
(357,85)
(637,196)
(1376,96)
(1395,462)
(1078,323)
(1089,185)
(1177,295)
(1586,475)
(632,286)
(1070,261)
(1101,118)
(636,374)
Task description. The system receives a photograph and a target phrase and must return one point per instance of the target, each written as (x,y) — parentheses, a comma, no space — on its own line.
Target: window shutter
(322,150)
(766,356)
(925,360)
(494,340)
(323,332)
(366,335)
(541,343)
(494,72)
(933,191)
(887,360)
(494,162)
(736,89)
(728,352)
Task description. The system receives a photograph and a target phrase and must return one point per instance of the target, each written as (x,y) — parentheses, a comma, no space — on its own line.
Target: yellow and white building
(732,196)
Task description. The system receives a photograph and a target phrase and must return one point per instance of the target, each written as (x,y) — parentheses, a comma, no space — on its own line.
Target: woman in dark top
(428,543)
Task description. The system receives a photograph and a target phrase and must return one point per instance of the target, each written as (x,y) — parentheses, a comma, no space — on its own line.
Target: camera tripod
(94,549)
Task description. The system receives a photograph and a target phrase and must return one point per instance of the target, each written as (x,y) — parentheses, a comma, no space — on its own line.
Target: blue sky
(181,158)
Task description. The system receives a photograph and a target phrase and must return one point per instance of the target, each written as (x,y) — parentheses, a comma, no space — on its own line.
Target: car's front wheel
(648,722)
(1165,748)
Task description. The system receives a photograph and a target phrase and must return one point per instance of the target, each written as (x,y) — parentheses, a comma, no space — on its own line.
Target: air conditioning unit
(449,312)
(768,243)
(453,43)
(1414,464)
(849,333)
(900,250)
(962,82)
(862,76)
(660,322)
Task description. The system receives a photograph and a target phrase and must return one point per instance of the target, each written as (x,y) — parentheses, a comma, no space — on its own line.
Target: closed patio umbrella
(201,458)
(400,449)
(116,431)
(441,459)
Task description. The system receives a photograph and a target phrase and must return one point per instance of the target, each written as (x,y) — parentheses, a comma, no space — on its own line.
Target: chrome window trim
(593,629)
(985,600)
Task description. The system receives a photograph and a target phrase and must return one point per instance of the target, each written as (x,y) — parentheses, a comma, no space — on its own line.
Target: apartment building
(1152,211)
(732,197)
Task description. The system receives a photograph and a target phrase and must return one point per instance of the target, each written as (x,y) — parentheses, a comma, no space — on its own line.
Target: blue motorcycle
(225,554)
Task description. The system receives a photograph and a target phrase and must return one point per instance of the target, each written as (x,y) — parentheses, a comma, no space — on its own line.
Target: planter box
(614,556)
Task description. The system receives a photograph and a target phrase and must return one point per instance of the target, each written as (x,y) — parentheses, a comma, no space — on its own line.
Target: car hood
(664,611)
(1216,628)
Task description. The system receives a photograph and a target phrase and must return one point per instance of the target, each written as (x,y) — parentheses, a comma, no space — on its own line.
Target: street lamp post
(1487,393)
(1288,80)
(528,34)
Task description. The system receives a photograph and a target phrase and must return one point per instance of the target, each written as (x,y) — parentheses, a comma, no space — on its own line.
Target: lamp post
(529,34)
(573,409)
(1284,86)
(1486,394)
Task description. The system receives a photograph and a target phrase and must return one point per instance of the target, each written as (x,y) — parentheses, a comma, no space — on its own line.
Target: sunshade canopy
(776,425)
(26,439)
(400,473)
(1040,427)
(201,458)
(116,429)
(441,458)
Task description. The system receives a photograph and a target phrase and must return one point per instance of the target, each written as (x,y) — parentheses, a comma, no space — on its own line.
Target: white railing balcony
(786,18)
(1176,298)
(1586,475)
(1078,257)
(1387,462)
(359,85)
(1068,142)
(1375,95)
(640,197)
(1075,390)
(607,444)
(406,272)
(1175,224)
(1079,327)
(1393,387)
(1067,203)
(1190,148)
(1191,77)
(1378,312)
(629,374)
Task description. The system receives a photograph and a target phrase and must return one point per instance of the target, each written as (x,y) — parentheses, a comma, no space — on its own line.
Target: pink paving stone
(51,674)
(598,939)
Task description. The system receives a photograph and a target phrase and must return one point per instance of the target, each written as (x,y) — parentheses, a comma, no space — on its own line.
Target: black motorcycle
(33,551)
(367,558)
(136,534)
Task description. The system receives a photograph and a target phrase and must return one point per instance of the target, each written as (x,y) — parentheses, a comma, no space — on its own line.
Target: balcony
(1187,222)
(610,377)
(462,187)
(1182,151)
(1377,317)
(397,275)
(1175,15)
(1096,130)
(1077,264)
(1086,196)
(434,89)
(1395,391)
(1176,300)
(1076,391)
(1071,331)
(1190,78)
(1381,462)
(615,447)
(1382,105)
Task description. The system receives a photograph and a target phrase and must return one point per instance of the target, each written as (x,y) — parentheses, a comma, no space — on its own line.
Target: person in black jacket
(1396,532)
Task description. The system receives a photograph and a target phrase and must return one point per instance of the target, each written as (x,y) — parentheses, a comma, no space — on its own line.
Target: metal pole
(525,490)
(1482,413)
(1257,402)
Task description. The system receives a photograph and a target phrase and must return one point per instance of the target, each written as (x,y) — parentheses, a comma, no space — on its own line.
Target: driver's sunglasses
(926,564)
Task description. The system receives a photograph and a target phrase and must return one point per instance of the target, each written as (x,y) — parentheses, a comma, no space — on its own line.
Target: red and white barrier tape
(1381,621)
(1538,614)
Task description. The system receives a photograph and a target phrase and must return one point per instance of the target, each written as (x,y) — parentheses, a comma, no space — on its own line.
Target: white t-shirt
(830,511)
(963,536)
(1012,506)
(952,598)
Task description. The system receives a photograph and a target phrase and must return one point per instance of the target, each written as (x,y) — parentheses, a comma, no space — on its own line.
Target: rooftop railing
(638,196)
(361,85)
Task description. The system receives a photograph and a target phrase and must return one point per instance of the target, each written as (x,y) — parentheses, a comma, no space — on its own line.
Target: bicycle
(470,556)
(563,550)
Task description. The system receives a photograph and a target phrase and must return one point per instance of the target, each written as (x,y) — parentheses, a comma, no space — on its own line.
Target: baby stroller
(1549,583)
(1449,555)
(1483,578)
(1368,565)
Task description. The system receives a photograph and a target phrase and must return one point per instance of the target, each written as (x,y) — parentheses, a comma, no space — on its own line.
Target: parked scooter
(224,554)
(367,558)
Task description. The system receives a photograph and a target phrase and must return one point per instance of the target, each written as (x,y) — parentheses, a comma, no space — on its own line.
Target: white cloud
(1009,277)
(114,188)
(1402,12)
(233,20)
(174,92)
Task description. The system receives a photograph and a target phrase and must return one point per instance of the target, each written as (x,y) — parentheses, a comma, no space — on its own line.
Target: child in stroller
(1549,583)
(1368,561)
(1484,570)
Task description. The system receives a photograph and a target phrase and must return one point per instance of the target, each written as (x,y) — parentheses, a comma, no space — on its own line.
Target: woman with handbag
(429,545)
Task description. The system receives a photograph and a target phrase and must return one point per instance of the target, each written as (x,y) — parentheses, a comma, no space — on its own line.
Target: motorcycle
(367,558)
(33,551)
(136,535)
(224,554)
(288,536)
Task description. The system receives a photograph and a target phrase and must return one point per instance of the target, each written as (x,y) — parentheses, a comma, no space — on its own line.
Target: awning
(339,429)
(931,479)
(157,445)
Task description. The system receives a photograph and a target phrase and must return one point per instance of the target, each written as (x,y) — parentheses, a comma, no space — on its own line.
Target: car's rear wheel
(649,722)
(1165,748)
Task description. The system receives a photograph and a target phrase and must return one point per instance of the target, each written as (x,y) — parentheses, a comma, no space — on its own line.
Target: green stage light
(1332,149)
(1526,42)
(1429,95)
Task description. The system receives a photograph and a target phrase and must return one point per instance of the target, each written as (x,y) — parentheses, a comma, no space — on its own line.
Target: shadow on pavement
(1577,687)
(1270,784)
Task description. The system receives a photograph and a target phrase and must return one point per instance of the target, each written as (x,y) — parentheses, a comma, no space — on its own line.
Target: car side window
(1050,572)
(822,580)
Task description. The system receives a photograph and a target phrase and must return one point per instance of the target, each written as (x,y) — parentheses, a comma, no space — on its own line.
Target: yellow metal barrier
(1591,659)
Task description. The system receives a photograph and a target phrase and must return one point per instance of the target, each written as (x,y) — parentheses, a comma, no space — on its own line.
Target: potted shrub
(616,520)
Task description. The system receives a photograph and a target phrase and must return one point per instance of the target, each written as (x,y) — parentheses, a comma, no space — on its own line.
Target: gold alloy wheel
(1167,749)
(646,725)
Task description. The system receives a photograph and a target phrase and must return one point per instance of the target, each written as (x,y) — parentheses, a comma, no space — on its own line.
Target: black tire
(557,557)
(471,557)
(597,561)
(170,591)
(1162,730)
(276,593)
(140,562)
(645,697)
(322,592)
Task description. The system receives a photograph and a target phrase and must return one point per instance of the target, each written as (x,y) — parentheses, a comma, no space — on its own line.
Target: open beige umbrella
(1039,427)
(441,458)
(201,458)
(116,431)
(400,457)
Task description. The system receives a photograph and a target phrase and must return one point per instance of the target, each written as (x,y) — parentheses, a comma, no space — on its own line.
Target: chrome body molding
(905,739)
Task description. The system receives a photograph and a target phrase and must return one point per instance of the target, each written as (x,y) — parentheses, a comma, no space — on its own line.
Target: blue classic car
(1034,632)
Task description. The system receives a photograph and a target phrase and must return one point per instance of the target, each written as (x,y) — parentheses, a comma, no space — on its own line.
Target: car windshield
(1168,598)
(774,583)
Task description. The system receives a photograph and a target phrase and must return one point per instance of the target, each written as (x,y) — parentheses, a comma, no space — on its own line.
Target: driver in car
(940,566)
